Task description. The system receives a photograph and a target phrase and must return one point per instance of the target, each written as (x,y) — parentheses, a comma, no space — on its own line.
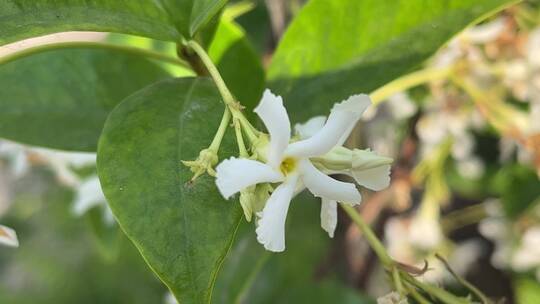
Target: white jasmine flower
(401,106)
(16,157)
(89,195)
(61,162)
(8,237)
(425,232)
(471,167)
(290,164)
(392,298)
(465,255)
(527,255)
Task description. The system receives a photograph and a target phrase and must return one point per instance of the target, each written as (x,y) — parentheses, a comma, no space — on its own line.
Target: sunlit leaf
(336,48)
(161,19)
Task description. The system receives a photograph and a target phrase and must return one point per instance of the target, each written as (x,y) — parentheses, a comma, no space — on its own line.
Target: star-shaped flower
(289,163)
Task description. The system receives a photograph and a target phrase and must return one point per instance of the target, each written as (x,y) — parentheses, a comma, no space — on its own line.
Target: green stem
(441,294)
(463,217)
(214,73)
(251,132)
(483,298)
(93,45)
(408,81)
(216,142)
(416,295)
(397,281)
(240,139)
(370,236)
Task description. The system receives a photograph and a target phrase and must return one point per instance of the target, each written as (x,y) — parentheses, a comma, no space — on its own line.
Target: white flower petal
(235,174)
(21,165)
(88,195)
(271,225)
(425,233)
(8,237)
(338,127)
(329,216)
(375,179)
(275,118)
(310,127)
(322,185)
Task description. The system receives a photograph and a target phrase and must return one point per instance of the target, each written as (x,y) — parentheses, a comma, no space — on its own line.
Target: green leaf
(182,229)
(238,63)
(61,98)
(202,12)
(335,48)
(160,19)
(527,290)
(519,188)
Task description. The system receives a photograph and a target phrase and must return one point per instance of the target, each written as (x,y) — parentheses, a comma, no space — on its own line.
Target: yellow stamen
(288,165)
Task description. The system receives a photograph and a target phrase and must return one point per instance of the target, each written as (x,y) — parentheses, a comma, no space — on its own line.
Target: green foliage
(241,267)
(518,187)
(527,290)
(371,42)
(58,261)
(61,98)
(160,19)
(182,229)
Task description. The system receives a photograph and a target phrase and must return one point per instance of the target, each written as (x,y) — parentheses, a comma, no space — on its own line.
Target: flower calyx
(205,162)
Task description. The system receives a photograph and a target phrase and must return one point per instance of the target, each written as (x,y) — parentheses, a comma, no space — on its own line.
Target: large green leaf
(335,48)
(182,229)
(61,98)
(159,19)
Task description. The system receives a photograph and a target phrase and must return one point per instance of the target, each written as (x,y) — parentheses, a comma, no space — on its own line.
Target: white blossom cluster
(516,248)
(17,161)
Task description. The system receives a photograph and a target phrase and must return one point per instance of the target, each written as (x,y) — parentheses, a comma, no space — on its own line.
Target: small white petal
(425,233)
(338,127)
(8,237)
(329,216)
(486,32)
(310,127)
(88,195)
(21,165)
(271,225)
(322,185)
(376,178)
(235,174)
(275,118)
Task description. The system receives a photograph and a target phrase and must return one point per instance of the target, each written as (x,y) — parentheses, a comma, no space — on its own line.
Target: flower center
(287,165)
